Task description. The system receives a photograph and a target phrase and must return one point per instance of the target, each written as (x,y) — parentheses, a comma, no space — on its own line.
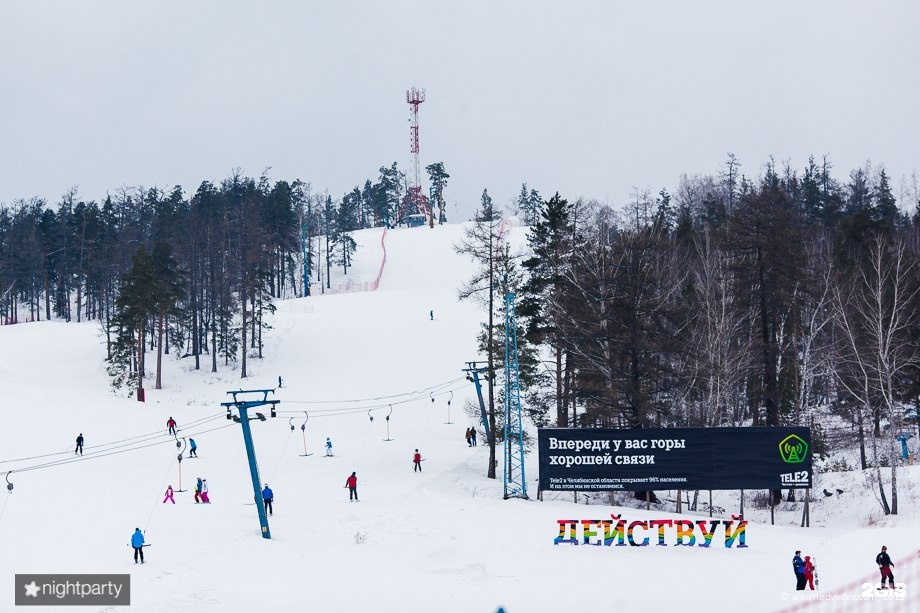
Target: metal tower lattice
(515,482)
(415,199)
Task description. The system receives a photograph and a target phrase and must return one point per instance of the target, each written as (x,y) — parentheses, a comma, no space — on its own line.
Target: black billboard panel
(674,458)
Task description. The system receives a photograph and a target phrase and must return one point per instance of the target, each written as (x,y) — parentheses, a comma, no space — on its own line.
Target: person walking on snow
(204,492)
(193,448)
(198,490)
(884,566)
(169,495)
(267,497)
(469,438)
(809,572)
(171,425)
(798,567)
(137,541)
(328,447)
(352,484)
(473,435)
(417,460)
(79,445)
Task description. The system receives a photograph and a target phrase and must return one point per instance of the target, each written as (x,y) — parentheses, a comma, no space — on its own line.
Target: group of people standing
(805,570)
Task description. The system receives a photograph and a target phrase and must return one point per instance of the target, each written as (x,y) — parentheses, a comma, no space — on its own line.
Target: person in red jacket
(809,572)
(171,425)
(352,484)
(417,460)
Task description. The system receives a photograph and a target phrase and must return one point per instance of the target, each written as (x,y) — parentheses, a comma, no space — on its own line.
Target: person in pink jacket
(169,495)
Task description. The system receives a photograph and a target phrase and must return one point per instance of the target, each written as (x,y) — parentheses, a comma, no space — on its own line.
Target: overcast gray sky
(588,98)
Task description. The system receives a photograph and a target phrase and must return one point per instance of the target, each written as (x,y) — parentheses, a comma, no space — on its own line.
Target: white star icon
(31,589)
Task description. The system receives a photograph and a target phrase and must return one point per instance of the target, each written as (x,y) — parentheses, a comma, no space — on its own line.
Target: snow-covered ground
(441,540)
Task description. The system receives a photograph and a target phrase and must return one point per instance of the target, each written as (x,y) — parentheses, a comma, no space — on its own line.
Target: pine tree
(482,242)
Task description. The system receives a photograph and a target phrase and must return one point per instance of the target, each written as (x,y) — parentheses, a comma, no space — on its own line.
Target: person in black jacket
(79,447)
(884,566)
(798,567)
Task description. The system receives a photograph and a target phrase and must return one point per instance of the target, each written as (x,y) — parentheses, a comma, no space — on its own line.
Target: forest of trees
(190,273)
(792,299)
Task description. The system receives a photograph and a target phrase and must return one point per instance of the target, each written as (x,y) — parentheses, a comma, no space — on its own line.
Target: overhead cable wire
(148,435)
(364,408)
(110,452)
(376,398)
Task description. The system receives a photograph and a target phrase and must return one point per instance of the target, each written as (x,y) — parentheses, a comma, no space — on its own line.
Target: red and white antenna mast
(417,199)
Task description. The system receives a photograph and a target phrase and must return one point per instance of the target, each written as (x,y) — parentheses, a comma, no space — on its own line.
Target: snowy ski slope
(441,540)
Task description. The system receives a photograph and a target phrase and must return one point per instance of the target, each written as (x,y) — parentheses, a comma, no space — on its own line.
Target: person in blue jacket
(798,567)
(137,541)
(193,448)
(267,497)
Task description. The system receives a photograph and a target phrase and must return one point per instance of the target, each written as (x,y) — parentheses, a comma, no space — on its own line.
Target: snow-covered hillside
(440,540)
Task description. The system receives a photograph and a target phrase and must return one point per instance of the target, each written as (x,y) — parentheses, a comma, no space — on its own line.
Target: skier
(473,435)
(137,541)
(431,314)
(171,425)
(79,445)
(169,495)
(469,438)
(267,497)
(328,448)
(204,492)
(279,380)
(798,567)
(198,490)
(352,484)
(417,460)
(809,573)
(884,566)
(193,448)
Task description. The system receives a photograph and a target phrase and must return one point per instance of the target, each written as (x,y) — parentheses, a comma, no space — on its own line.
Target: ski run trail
(439,540)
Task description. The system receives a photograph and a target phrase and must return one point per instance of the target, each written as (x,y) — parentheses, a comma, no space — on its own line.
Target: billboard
(674,458)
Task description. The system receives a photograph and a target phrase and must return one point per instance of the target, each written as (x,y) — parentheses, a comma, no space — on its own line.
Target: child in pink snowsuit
(169,495)
(204,491)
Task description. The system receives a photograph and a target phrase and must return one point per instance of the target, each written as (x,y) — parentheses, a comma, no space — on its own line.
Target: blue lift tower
(242,407)
(515,483)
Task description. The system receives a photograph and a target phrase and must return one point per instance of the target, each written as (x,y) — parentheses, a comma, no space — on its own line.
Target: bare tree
(873,310)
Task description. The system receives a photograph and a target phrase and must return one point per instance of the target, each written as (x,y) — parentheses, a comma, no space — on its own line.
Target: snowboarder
(137,541)
(417,460)
(809,572)
(193,448)
(204,492)
(352,484)
(469,438)
(267,497)
(198,490)
(798,567)
(171,425)
(169,495)
(473,435)
(328,447)
(79,445)
(884,566)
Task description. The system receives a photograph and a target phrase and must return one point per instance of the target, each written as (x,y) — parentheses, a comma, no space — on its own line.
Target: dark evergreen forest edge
(791,298)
